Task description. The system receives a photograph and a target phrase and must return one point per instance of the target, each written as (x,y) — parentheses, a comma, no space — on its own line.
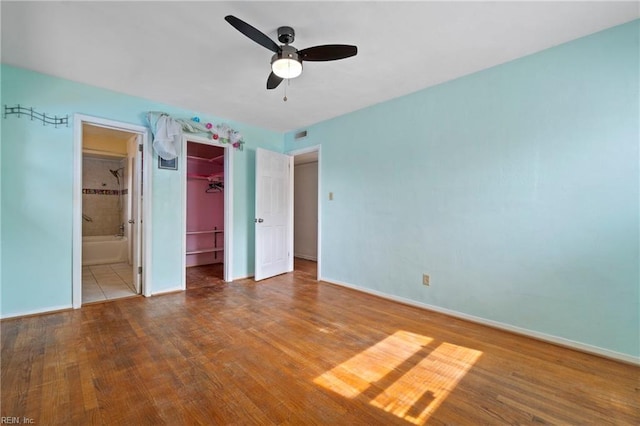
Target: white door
(136,215)
(273,214)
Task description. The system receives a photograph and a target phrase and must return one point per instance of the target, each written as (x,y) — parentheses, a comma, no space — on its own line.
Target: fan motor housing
(286,35)
(288,52)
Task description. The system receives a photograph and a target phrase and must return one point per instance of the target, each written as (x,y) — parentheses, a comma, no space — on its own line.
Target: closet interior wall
(205,204)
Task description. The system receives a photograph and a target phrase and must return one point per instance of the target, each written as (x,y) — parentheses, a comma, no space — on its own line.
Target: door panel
(273,214)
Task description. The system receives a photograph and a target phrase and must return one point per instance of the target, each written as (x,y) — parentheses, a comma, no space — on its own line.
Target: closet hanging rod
(215,187)
(210,178)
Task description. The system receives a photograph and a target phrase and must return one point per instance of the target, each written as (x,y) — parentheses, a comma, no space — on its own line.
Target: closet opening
(205,215)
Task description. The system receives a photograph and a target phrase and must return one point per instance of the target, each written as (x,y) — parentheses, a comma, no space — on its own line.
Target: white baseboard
(243,277)
(306,257)
(49,310)
(168,290)
(560,341)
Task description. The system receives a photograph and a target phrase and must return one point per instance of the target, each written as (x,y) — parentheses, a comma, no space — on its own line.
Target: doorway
(207,207)
(108,237)
(275,211)
(306,211)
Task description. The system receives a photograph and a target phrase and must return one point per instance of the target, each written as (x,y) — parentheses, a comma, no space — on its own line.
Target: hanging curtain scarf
(167,133)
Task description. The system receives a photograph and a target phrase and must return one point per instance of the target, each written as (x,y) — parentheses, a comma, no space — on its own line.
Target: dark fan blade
(253,33)
(273,81)
(328,52)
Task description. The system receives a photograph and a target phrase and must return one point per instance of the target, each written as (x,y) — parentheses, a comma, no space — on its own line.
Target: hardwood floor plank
(305,266)
(292,350)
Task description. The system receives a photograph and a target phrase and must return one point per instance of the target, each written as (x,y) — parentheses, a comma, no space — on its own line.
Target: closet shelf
(207,250)
(214,231)
(210,160)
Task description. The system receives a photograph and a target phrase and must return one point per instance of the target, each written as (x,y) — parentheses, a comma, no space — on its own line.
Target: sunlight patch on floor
(419,392)
(402,375)
(352,377)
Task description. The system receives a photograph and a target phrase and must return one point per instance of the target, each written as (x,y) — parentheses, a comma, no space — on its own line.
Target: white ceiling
(186,55)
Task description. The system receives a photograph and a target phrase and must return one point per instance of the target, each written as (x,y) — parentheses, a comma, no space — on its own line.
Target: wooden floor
(205,275)
(291,350)
(307,266)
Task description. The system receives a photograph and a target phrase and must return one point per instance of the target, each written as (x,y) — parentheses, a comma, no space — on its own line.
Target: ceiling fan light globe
(286,63)
(286,68)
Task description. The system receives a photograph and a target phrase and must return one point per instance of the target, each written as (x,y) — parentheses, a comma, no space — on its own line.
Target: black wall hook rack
(46,119)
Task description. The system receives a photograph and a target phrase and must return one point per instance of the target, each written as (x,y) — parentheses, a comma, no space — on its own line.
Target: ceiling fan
(287,61)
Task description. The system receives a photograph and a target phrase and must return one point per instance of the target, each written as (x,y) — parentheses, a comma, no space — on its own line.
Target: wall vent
(301,135)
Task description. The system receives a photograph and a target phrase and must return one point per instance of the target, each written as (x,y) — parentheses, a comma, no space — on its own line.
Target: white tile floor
(107,282)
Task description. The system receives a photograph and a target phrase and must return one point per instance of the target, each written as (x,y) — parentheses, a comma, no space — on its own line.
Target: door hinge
(140,147)
(140,270)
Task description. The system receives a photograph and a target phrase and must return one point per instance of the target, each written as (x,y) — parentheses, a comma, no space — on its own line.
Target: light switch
(331,196)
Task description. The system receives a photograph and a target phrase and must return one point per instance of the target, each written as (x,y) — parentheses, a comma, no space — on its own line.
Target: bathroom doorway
(108,239)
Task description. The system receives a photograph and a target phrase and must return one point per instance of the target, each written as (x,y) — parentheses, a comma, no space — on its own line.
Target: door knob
(259,220)
(132,221)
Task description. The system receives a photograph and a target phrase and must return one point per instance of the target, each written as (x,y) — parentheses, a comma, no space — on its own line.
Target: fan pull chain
(285,91)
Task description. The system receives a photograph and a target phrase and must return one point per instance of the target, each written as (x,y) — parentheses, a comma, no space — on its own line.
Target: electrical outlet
(425,279)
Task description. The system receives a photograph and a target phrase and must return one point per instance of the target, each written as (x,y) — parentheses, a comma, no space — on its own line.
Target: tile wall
(100,194)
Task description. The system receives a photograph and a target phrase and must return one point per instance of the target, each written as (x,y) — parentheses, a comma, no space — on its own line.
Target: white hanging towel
(167,135)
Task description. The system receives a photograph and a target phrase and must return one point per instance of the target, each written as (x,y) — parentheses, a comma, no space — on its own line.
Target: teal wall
(516,188)
(37,191)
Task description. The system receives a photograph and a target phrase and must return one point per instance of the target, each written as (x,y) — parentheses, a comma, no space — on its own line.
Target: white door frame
(135,209)
(76,263)
(228,204)
(315,148)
